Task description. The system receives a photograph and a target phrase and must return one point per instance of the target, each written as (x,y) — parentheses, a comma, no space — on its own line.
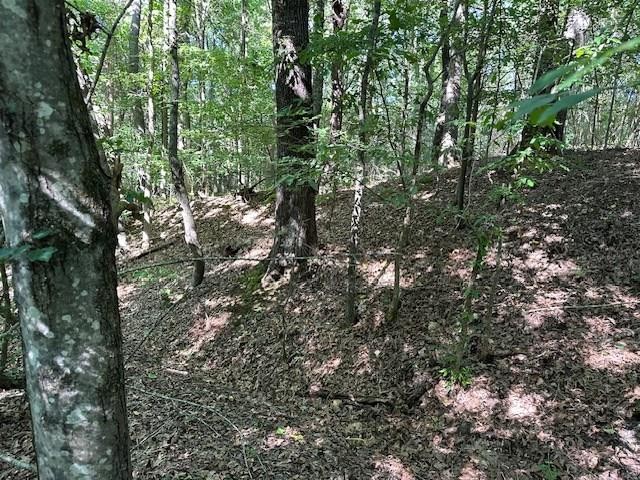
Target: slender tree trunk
(338,20)
(296,235)
(474,95)
(446,134)
(52,180)
(405,230)
(7,313)
(318,72)
(177,169)
(356,211)
(134,64)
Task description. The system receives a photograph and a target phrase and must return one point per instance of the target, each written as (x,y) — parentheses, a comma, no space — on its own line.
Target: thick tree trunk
(446,133)
(295,231)
(356,211)
(51,180)
(177,169)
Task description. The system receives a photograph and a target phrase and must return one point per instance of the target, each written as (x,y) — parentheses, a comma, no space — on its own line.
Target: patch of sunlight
(282,437)
(599,327)
(585,458)
(327,367)
(542,308)
(205,330)
(522,406)
(460,263)
(614,358)
(606,475)
(391,468)
(477,400)
(626,214)
(255,218)
(363,361)
(471,472)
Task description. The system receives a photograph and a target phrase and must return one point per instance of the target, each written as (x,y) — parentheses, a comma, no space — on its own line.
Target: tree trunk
(318,72)
(338,19)
(548,60)
(295,231)
(54,191)
(446,134)
(177,169)
(134,65)
(356,211)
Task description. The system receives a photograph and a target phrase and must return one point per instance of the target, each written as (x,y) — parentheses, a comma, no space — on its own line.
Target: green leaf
(549,78)
(525,107)
(41,254)
(564,103)
(42,234)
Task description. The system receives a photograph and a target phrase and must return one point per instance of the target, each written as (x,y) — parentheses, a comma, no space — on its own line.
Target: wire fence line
(330,256)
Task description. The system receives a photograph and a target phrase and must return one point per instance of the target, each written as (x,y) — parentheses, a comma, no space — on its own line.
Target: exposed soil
(227,381)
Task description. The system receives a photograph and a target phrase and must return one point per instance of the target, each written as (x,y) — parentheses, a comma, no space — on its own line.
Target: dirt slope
(228,378)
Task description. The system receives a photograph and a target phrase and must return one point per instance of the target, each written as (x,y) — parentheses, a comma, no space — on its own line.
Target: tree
(54,194)
(177,169)
(548,59)
(295,230)
(446,135)
(356,211)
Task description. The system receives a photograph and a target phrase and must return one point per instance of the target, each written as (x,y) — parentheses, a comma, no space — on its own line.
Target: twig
(582,307)
(203,407)
(16,463)
(105,49)
(149,251)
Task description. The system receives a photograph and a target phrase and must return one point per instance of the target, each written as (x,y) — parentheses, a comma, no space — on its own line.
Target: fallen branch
(347,397)
(157,248)
(16,463)
(583,307)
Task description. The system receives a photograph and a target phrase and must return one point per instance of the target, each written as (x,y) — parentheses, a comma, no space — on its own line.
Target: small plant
(453,376)
(549,471)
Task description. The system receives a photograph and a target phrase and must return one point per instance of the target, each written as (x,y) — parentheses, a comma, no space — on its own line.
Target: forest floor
(228,381)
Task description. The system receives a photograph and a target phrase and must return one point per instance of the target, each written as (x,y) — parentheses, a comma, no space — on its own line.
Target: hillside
(271,384)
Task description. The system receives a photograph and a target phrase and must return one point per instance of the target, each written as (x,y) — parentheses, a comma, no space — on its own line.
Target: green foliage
(549,471)
(30,250)
(456,376)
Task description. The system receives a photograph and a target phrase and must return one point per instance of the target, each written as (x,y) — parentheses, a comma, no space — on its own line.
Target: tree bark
(446,133)
(52,180)
(134,65)
(177,169)
(356,211)
(338,20)
(318,72)
(548,60)
(295,231)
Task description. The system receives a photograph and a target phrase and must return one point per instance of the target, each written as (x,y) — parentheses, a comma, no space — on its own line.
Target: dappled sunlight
(282,437)
(471,471)
(477,399)
(391,468)
(545,306)
(616,358)
(459,264)
(204,330)
(363,361)
(326,367)
(522,406)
